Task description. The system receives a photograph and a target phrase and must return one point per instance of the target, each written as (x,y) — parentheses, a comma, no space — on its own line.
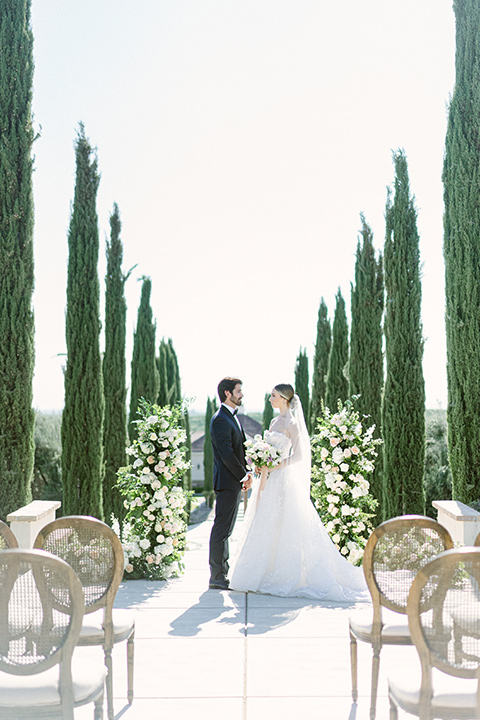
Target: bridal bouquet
(267,451)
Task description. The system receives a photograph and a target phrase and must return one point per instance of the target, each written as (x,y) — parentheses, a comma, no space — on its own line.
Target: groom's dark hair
(228,383)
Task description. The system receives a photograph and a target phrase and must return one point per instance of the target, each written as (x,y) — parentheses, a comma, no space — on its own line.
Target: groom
(229,476)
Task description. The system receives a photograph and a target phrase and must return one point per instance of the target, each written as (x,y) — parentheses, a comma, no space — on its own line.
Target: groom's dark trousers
(229,470)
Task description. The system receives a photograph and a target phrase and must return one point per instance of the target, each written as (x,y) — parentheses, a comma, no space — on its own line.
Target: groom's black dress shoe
(218,585)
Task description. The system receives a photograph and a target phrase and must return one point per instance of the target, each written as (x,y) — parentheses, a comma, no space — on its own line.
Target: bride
(285,549)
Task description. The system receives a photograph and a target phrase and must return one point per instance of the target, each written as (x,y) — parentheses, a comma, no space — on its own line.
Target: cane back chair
(443,603)
(41,611)
(96,554)
(7,537)
(394,553)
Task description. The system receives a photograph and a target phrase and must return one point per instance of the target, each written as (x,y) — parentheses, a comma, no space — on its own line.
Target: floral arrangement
(343,455)
(155,522)
(267,451)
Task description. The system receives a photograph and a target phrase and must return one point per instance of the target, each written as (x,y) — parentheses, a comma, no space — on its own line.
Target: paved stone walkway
(203,653)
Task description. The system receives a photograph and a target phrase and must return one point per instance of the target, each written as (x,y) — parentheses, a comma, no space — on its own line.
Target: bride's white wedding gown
(285,549)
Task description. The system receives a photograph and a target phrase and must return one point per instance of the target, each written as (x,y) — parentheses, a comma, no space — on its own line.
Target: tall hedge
(366,374)
(114,372)
(337,381)
(403,413)
(82,420)
(144,378)
(302,382)
(17,418)
(320,364)
(461,179)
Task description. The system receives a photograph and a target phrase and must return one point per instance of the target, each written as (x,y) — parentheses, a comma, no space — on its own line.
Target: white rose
(144,543)
(152,419)
(160,539)
(347,453)
(137,463)
(344,467)
(336,538)
(346,510)
(153,436)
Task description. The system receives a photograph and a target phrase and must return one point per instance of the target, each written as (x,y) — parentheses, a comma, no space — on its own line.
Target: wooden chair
(394,553)
(41,611)
(7,537)
(445,591)
(96,554)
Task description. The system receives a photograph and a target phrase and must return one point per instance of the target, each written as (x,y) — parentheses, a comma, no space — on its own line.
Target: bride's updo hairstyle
(286,391)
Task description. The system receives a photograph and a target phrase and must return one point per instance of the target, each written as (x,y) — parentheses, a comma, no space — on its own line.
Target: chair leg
(354,665)
(109,683)
(393,709)
(130,655)
(99,708)
(374,690)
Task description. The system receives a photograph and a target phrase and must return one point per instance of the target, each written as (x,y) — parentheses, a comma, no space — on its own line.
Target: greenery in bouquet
(155,523)
(343,456)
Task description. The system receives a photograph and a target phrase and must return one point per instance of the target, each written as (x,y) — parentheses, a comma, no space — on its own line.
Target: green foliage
(145,380)
(17,418)
(114,372)
(438,477)
(267,416)
(366,354)
(82,420)
(302,382)
(187,478)
(47,473)
(155,521)
(170,391)
(343,455)
(403,412)
(320,364)
(208,454)
(337,381)
(461,179)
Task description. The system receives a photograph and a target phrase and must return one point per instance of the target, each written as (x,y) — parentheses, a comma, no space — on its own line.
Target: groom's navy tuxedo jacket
(228,451)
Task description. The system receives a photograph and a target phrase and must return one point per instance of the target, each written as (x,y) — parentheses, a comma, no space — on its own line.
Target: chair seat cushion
(92,632)
(42,689)
(448,693)
(394,630)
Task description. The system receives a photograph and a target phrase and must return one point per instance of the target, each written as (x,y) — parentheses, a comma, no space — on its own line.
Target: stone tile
(212,708)
(195,621)
(180,667)
(316,708)
(307,621)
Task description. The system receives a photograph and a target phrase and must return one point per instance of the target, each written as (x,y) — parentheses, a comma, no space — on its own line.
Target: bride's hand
(263,477)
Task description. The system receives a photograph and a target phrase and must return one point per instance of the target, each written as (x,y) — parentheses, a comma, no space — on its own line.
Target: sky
(241,140)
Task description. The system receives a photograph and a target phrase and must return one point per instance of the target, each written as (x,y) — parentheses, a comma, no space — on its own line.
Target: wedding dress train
(285,549)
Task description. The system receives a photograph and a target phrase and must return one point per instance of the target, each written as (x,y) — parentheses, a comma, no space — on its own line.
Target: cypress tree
(145,379)
(82,420)
(162,361)
(114,372)
(461,179)
(17,418)
(208,455)
(267,416)
(366,355)
(337,382)
(301,382)
(173,375)
(320,364)
(403,412)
